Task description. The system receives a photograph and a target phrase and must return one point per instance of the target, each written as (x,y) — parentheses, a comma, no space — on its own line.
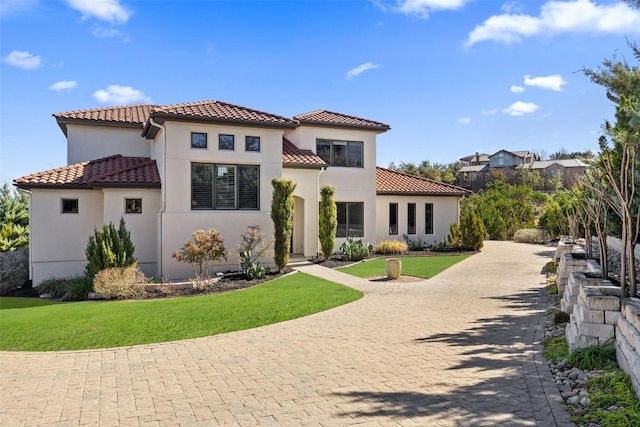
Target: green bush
(282,217)
(328,220)
(207,246)
(14,219)
(110,248)
(355,249)
(473,231)
(119,282)
(391,247)
(75,288)
(555,349)
(593,358)
(454,239)
(416,244)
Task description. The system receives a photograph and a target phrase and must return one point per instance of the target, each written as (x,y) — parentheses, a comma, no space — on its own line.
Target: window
(340,153)
(198,140)
(350,219)
(226,142)
(252,143)
(69,206)
(428,218)
(411,218)
(216,186)
(393,218)
(133,206)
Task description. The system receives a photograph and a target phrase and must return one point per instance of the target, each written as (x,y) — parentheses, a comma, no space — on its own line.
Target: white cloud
(517,89)
(23,59)
(354,72)
(63,85)
(104,33)
(557,17)
(105,10)
(554,82)
(464,120)
(520,108)
(489,112)
(422,8)
(116,94)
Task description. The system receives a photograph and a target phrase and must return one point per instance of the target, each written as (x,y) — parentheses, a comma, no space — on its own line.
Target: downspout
(163,191)
(28,193)
(318,211)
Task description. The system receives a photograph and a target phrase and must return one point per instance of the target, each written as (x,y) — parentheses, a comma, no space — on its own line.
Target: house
(169,170)
(477,169)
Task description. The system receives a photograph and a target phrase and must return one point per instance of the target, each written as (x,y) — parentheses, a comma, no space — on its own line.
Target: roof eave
(303,166)
(421,193)
(378,129)
(93,186)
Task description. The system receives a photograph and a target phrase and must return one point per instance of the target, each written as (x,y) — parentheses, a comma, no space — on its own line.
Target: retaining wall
(628,340)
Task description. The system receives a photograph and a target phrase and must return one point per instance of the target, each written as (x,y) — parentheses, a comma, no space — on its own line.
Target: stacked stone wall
(594,316)
(591,277)
(628,340)
(570,261)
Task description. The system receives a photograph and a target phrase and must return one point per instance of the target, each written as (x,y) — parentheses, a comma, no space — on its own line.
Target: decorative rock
(573,400)
(46,296)
(14,270)
(95,296)
(585,401)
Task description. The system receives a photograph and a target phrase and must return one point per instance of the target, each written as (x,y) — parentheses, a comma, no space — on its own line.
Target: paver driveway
(457,350)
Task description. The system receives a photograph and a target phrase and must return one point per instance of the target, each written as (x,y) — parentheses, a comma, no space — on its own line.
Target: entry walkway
(460,349)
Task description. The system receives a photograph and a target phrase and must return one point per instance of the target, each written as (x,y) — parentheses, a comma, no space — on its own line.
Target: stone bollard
(394,267)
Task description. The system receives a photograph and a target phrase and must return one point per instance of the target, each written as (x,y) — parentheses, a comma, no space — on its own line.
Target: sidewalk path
(460,349)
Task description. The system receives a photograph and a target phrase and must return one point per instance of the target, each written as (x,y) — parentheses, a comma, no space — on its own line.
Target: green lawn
(91,324)
(425,267)
(7,303)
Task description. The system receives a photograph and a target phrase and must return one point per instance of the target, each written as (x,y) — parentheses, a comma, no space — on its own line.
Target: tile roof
(331,119)
(128,115)
(294,157)
(567,163)
(390,182)
(216,111)
(113,171)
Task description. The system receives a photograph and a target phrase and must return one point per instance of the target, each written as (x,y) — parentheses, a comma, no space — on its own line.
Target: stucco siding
(445,212)
(58,240)
(87,142)
(142,226)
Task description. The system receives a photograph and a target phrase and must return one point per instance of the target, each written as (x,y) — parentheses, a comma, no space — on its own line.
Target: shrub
(355,249)
(251,247)
(561,317)
(555,349)
(282,217)
(110,248)
(14,219)
(207,246)
(454,239)
(593,358)
(75,288)
(531,235)
(414,245)
(119,282)
(328,220)
(391,247)
(472,230)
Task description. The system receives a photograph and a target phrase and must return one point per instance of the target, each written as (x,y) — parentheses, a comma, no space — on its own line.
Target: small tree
(207,246)
(14,219)
(282,217)
(328,221)
(251,247)
(473,231)
(110,248)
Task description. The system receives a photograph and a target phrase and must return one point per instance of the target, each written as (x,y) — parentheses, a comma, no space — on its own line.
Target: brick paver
(460,349)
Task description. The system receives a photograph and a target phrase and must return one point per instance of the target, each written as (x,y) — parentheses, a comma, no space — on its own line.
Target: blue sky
(451,77)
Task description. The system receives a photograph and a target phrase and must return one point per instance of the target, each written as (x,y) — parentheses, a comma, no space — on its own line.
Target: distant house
(478,168)
(172,169)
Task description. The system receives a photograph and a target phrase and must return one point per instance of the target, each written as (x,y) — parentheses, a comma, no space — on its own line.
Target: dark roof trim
(421,193)
(370,128)
(64,122)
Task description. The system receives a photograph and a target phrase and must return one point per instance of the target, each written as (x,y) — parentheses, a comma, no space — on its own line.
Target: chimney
(477,157)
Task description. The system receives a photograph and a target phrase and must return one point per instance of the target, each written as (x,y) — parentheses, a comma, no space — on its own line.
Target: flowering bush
(207,246)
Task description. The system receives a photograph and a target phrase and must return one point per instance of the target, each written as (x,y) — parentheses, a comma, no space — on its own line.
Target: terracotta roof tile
(131,114)
(294,157)
(113,171)
(390,182)
(329,118)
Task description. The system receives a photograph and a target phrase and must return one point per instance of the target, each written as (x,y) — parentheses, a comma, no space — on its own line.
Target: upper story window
(226,142)
(198,140)
(218,186)
(69,206)
(252,143)
(341,153)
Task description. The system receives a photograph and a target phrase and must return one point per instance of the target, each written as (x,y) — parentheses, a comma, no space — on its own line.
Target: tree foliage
(206,246)
(282,217)
(438,172)
(328,220)
(503,208)
(14,219)
(110,247)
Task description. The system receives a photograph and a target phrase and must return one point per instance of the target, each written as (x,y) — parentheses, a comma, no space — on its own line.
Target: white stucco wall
(88,142)
(445,212)
(305,223)
(58,240)
(351,184)
(179,221)
(142,226)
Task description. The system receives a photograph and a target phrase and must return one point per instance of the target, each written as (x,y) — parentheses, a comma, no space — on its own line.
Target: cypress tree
(328,220)
(282,217)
